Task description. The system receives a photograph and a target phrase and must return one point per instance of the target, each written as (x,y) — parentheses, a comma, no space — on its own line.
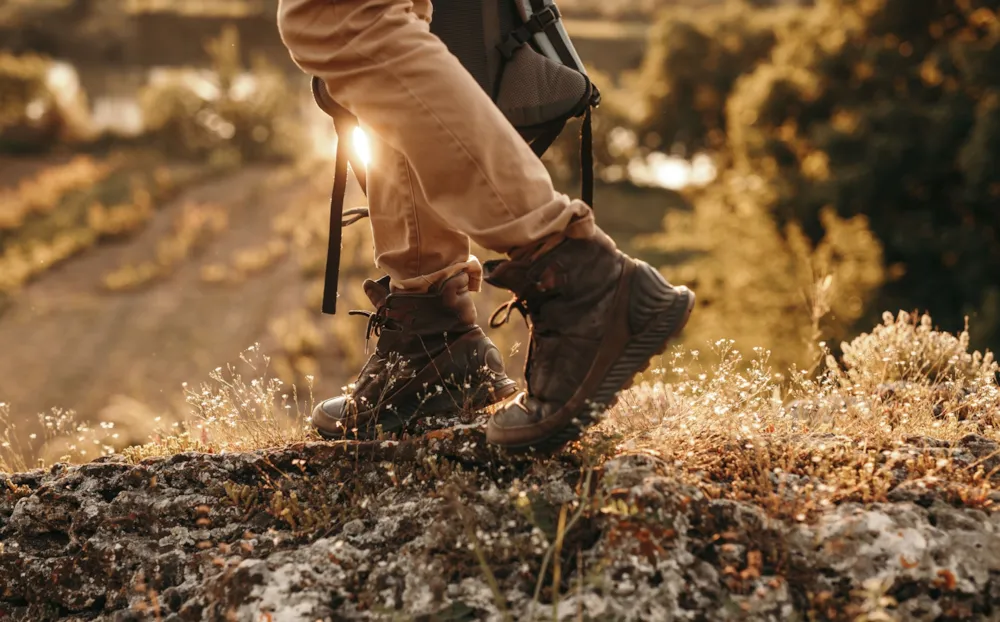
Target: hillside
(442,529)
(74,339)
(219,259)
(720,496)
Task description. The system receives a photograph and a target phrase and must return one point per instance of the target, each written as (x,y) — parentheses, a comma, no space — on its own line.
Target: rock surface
(440,528)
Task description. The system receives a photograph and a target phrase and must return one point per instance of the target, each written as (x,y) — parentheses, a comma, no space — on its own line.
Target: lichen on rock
(442,528)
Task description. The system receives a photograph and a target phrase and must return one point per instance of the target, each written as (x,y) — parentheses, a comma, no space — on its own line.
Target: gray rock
(199,537)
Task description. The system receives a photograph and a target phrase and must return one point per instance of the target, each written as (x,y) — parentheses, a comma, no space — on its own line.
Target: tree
(694,59)
(888,109)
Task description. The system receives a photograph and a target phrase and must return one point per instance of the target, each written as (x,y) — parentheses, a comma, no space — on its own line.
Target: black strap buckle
(544,18)
(536,24)
(513,42)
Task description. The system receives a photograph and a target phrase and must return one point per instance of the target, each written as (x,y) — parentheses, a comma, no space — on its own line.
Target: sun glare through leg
(362,147)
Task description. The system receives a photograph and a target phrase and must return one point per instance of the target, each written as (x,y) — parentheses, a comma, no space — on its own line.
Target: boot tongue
(507,274)
(529,280)
(377,291)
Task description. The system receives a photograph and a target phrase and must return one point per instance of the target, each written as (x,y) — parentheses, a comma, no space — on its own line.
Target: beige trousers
(447,166)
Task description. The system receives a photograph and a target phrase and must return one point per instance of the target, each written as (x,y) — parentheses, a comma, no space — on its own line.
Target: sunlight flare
(362,146)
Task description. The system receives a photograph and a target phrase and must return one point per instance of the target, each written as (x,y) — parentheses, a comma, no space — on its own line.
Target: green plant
(299,516)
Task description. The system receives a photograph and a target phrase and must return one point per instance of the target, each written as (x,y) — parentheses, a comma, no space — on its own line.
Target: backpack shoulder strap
(587,158)
(344,123)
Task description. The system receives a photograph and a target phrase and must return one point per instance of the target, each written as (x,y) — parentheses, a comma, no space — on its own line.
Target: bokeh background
(164,179)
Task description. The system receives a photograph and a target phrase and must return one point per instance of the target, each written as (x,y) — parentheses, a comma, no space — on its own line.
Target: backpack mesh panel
(536,90)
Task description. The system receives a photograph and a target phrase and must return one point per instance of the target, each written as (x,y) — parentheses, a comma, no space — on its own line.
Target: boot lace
(502,315)
(377,322)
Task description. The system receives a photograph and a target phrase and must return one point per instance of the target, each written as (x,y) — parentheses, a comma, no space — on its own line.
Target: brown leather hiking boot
(596,318)
(431,358)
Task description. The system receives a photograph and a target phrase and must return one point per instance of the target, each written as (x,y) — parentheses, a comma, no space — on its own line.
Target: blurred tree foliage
(694,59)
(676,101)
(232,114)
(764,284)
(22,80)
(890,109)
(833,121)
(30,117)
(613,119)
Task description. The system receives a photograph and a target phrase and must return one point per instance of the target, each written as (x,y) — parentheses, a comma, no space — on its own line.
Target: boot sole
(445,403)
(635,358)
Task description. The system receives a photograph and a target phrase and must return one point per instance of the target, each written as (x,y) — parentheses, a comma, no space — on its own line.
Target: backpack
(519,53)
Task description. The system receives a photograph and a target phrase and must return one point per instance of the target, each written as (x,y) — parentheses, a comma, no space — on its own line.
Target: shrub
(797,443)
(229,114)
(764,284)
(32,116)
(906,348)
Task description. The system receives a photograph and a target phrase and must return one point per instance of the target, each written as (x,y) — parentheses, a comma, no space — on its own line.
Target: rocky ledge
(440,528)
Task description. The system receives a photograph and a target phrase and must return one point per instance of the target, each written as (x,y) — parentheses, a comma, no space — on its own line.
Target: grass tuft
(231,413)
(797,443)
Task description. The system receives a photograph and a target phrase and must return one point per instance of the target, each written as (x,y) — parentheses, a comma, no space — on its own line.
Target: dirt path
(66,343)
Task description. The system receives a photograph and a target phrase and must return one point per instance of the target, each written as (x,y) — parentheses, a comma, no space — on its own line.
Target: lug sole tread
(636,358)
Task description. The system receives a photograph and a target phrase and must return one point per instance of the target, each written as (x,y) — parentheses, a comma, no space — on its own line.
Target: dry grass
(42,193)
(67,209)
(11,453)
(231,413)
(63,436)
(240,408)
(245,264)
(793,443)
(797,443)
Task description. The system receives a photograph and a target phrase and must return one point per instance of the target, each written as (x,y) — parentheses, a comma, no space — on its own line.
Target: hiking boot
(596,318)
(430,359)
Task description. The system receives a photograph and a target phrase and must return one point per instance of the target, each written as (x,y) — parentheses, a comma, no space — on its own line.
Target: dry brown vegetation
(66,209)
(738,430)
(193,227)
(735,428)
